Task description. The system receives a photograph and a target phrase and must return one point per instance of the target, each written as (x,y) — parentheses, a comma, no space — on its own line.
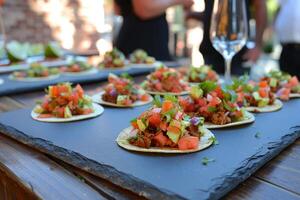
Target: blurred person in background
(213,57)
(145,26)
(287,28)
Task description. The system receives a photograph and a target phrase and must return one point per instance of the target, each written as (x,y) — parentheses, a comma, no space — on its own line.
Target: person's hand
(252,55)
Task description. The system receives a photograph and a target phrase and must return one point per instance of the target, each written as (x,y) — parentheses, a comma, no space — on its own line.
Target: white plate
(14,67)
(122,141)
(144,65)
(294,95)
(98,110)
(167,93)
(11,77)
(88,72)
(277,105)
(97,98)
(249,118)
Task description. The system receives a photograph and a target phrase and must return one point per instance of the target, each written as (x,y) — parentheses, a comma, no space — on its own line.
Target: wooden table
(28,174)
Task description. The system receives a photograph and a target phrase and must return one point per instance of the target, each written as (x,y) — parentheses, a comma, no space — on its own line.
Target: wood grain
(254,188)
(38,174)
(284,170)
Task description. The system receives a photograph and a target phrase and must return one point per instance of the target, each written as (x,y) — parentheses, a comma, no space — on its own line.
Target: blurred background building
(90,25)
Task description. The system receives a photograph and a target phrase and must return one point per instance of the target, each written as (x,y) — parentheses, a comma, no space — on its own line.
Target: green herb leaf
(126,76)
(214,140)
(157,101)
(257,135)
(171,98)
(208,86)
(227,107)
(133,120)
(206,160)
(212,109)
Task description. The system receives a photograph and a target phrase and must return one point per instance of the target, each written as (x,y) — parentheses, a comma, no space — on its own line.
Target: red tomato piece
(294,81)
(134,125)
(188,142)
(79,90)
(87,111)
(167,105)
(262,92)
(160,139)
(145,97)
(154,119)
(263,84)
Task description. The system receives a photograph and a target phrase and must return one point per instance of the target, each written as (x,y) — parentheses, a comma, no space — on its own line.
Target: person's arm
(147,9)
(194,15)
(117,9)
(261,22)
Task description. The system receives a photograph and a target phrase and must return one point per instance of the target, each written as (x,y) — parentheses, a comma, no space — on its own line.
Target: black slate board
(15,87)
(90,145)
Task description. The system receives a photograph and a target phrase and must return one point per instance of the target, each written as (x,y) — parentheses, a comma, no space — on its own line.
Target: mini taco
(255,97)
(36,72)
(165,80)
(201,74)
(164,128)
(140,58)
(64,103)
(114,59)
(216,105)
(283,84)
(78,68)
(122,92)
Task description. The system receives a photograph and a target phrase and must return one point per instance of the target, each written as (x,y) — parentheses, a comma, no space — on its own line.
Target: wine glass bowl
(229,30)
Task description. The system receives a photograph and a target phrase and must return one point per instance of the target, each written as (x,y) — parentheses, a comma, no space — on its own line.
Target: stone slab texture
(90,145)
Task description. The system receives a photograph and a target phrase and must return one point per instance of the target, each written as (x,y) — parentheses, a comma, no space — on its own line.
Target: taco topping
(165,79)
(113,59)
(36,70)
(140,56)
(215,104)
(75,67)
(201,74)
(250,93)
(166,126)
(283,84)
(123,91)
(63,101)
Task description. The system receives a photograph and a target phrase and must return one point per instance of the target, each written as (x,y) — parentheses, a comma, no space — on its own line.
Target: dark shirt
(210,54)
(151,35)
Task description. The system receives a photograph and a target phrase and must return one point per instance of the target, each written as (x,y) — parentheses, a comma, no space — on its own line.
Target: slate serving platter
(90,145)
(14,87)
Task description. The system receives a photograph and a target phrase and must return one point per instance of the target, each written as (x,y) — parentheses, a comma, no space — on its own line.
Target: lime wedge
(53,50)
(16,52)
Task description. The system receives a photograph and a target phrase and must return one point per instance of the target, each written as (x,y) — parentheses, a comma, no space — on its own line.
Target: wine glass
(229,29)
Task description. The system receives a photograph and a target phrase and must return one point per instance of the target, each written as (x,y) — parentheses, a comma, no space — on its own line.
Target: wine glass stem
(228,70)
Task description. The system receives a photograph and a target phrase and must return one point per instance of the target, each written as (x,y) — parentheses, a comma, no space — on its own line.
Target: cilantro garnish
(212,109)
(206,160)
(208,86)
(133,120)
(171,98)
(126,76)
(214,140)
(157,101)
(257,135)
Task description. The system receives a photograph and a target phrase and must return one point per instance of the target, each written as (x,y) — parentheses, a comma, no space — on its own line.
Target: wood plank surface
(38,174)
(278,179)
